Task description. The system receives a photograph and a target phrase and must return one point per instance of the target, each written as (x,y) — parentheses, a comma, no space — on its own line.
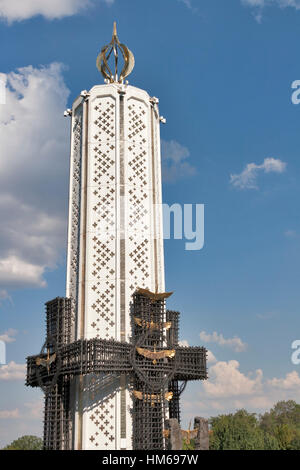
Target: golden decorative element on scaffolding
(189,434)
(152,398)
(153,296)
(186,436)
(152,325)
(113,76)
(40,361)
(156,355)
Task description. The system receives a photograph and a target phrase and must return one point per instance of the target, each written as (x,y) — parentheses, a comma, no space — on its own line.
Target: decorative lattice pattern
(101,395)
(139,183)
(102,220)
(101,264)
(76,165)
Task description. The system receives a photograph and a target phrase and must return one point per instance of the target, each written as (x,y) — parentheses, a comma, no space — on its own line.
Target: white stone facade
(115,242)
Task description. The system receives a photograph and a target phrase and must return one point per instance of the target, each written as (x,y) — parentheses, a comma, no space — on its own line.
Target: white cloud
(248,178)
(259,5)
(22,421)
(34,410)
(174,164)
(34,139)
(187,3)
(190,5)
(229,389)
(16,10)
(280,3)
(15,271)
(234,343)
(254,3)
(211,359)
(13,371)
(31,411)
(9,414)
(292,380)
(9,336)
(228,381)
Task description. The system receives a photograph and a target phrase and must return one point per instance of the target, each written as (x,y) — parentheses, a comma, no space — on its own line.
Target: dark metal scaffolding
(151,375)
(158,367)
(59,320)
(57,418)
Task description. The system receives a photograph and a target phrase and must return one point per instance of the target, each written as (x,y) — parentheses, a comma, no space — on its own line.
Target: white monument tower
(112,368)
(115,240)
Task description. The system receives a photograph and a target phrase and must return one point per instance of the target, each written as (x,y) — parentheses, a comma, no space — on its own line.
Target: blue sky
(223,72)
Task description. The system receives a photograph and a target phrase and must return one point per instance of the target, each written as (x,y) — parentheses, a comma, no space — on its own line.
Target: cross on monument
(154,361)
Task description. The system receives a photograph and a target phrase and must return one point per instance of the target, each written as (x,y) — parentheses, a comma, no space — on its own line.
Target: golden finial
(106,52)
(115,30)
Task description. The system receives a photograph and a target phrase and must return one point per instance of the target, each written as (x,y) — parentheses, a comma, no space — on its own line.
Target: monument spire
(111,72)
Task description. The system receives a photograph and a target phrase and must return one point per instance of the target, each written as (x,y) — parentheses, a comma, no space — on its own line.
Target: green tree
(284,412)
(283,423)
(239,431)
(295,444)
(26,443)
(270,442)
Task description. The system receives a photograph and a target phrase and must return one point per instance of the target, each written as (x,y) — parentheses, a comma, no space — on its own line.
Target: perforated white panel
(115,242)
(74,208)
